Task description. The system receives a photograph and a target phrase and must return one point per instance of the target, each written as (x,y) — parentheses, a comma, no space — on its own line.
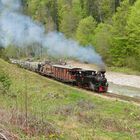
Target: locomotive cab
(101,84)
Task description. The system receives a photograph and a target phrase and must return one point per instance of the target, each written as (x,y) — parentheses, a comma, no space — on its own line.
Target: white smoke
(20,30)
(11,5)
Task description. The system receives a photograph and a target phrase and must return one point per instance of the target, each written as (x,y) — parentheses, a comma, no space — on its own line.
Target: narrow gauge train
(87,79)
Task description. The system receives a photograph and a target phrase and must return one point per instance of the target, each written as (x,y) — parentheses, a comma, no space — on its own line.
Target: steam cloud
(20,30)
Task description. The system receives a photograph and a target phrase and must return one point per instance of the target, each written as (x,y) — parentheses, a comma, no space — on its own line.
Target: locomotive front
(93,80)
(100,82)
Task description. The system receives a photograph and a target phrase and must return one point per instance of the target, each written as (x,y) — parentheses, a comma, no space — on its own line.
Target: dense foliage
(5,82)
(111,26)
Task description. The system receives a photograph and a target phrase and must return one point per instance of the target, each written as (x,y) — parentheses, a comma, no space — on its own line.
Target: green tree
(133,34)
(132,1)
(85,31)
(70,17)
(100,10)
(52,11)
(45,11)
(116,4)
(118,50)
(102,41)
(120,18)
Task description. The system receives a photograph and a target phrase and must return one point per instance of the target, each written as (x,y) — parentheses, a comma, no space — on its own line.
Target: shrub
(5,82)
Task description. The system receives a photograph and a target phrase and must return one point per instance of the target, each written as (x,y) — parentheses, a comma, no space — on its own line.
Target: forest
(112,27)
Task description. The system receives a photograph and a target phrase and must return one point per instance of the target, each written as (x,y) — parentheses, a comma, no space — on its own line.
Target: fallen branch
(3,137)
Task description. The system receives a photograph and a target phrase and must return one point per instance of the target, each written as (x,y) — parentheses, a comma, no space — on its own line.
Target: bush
(3,54)
(5,82)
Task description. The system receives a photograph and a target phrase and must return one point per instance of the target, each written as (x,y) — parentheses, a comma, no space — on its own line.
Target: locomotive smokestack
(20,30)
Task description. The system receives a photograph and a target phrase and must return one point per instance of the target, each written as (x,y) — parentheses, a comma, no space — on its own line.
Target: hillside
(58,111)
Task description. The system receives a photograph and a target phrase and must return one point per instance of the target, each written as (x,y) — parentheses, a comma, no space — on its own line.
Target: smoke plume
(20,30)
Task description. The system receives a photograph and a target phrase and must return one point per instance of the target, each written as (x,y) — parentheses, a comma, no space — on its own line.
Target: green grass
(66,113)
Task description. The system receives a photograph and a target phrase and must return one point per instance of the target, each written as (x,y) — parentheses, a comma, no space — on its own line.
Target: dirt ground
(123,79)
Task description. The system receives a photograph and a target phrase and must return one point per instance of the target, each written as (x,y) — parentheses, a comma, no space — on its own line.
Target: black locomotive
(91,80)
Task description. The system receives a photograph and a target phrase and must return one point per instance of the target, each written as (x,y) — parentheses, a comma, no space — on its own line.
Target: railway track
(116,96)
(122,97)
(110,95)
(107,94)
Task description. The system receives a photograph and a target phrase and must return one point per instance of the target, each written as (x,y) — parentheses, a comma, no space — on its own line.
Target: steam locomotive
(87,79)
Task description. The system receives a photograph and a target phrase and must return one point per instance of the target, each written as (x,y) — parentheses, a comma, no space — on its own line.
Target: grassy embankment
(58,111)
